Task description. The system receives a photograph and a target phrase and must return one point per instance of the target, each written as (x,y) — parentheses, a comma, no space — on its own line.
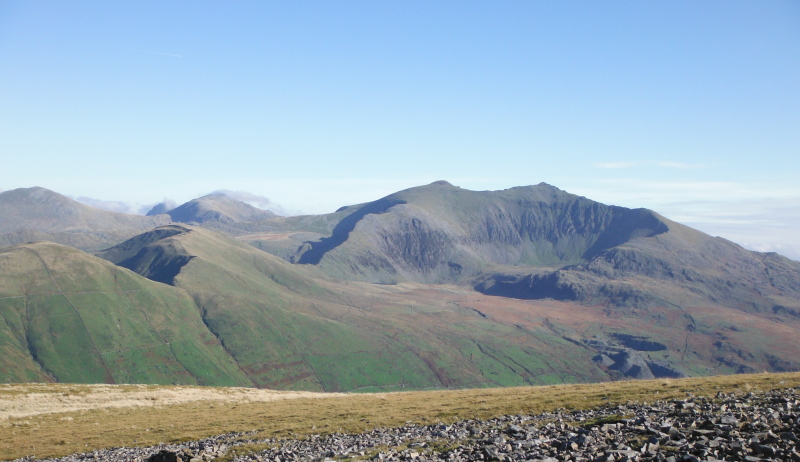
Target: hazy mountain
(31,214)
(160,209)
(217,208)
(40,214)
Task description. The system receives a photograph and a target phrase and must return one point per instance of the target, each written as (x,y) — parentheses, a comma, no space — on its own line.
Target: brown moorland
(62,419)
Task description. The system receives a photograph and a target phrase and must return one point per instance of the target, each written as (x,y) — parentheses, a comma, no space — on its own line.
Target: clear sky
(691,108)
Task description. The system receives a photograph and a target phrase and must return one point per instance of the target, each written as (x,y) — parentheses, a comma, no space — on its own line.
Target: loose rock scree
(745,426)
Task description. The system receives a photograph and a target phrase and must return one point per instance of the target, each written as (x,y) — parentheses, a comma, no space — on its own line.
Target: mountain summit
(442,233)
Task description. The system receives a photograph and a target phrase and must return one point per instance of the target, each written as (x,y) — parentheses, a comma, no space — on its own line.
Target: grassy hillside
(70,317)
(290,329)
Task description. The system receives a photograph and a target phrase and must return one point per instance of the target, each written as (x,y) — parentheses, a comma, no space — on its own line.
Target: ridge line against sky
(689,108)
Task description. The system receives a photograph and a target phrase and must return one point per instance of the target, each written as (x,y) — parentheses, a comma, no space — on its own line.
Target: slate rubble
(743,427)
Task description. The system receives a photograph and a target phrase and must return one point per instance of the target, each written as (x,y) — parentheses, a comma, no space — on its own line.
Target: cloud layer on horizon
(752,215)
(655,163)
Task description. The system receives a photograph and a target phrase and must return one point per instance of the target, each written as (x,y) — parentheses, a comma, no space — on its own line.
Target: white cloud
(779,237)
(678,165)
(169,204)
(758,216)
(255,200)
(617,164)
(244,196)
(113,206)
(655,163)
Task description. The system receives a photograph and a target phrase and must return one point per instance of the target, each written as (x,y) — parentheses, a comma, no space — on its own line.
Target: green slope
(70,317)
(290,329)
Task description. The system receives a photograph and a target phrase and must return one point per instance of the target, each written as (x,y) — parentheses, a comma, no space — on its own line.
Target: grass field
(59,419)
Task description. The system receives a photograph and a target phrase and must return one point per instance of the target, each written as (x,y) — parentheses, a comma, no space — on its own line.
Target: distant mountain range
(433,286)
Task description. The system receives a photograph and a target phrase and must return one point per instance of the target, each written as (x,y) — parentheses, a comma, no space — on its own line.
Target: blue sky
(689,108)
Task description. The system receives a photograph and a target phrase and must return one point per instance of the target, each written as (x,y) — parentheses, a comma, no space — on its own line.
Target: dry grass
(99,425)
(26,400)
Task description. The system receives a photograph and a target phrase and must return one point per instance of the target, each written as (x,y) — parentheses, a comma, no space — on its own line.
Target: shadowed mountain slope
(71,317)
(30,214)
(682,267)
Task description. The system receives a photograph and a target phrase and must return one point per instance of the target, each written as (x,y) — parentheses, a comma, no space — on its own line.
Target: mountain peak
(36,193)
(218,207)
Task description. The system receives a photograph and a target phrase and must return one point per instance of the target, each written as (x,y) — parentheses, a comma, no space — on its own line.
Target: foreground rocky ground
(749,427)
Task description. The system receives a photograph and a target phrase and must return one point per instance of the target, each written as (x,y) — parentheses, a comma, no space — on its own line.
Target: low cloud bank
(253,199)
(113,206)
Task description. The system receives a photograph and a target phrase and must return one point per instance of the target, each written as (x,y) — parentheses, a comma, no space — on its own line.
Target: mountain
(218,209)
(539,242)
(433,286)
(289,328)
(681,266)
(292,327)
(38,214)
(30,214)
(68,316)
(442,233)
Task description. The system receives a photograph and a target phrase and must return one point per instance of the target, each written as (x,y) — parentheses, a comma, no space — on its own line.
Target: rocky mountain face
(441,233)
(681,267)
